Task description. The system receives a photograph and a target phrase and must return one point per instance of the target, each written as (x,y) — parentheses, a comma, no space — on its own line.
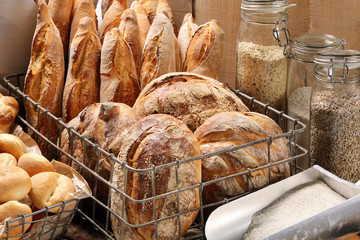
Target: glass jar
(300,79)
(335,113)
(261,66)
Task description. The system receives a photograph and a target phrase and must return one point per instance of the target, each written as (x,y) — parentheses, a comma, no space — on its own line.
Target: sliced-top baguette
(186,31)
(105,4)
(164,7)
(83,80)
(143,21)
(150,7)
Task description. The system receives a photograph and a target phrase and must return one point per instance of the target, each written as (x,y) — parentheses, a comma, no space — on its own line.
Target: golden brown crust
(156,140)
(186,32)
(150,7)
(119,82)
(44,80)
(83,77)
(105,4)
(6,159)
(205,50)
(143,22)
(9,109)
(230,129)
(12,144)
(189,97)
(15,183)
(112,18)
(34,163)
(160,55)
(164,7)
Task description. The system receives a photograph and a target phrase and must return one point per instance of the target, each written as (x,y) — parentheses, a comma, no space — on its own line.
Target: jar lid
(266,5)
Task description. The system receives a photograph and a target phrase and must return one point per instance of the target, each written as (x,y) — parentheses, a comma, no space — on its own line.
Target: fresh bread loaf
(156,140)
(164,8)
(105,4)
(44,80)
(34,163)
(112,18)
(12,210)
(150,7)
(189,97)
(143,22)
(83,78)
(100,123)
(81,9)
(7,159)
(205,50)
(15,183)
(161,52)
(118,79)
(49,189)
(9,109)
(12,144)
(230,129)
(129,30)
(186,31)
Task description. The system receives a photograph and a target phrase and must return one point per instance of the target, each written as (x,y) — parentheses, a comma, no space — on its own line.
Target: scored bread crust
(186,32)
(83,78)
(164,7)
(152,141)
(189,97)
(143,22)
(150,7)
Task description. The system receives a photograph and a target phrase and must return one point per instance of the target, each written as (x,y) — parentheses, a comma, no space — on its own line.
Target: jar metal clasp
(280,26)
(343,76)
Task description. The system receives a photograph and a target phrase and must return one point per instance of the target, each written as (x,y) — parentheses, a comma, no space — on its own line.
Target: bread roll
(186,31)
(230,129)
(49,189)
(150,7)
(112,18)
(164,7)
(156,140)
(143,22)
(12,144)
(7,159)
(161,52)
(15,183)
(129,30)
(101,123)
(44,80)
(105,4)
(34,163)
(12,210)
(60,12)
(189,97)
(81,9)
(9,109)
(205,50)
(119,82)
(83,77)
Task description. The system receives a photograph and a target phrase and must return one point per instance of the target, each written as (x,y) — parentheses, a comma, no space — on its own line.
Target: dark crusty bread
(44,80)
(190,97)
(83,78)
(119,82)
(152,141)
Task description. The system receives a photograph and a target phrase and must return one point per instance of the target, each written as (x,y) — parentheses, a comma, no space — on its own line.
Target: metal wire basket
(99,212)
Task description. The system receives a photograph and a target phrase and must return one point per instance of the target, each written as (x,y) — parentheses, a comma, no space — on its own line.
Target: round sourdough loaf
(190,97)
(100,123)
(156,140)
(230,129)
(15,183)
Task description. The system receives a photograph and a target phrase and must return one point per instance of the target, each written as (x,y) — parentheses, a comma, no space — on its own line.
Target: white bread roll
(34,163)
(15,183)
(11,144)
(6,159)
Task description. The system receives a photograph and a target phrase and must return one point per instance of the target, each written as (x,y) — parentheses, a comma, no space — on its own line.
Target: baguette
(164,7)
(119,82)
(160,55)
(83,77)
(205,50)
(44,80)
(186,32)
(143,22)
(150,7)
(112,18)
(105,4)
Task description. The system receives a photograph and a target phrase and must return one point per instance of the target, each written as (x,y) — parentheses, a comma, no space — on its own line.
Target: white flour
(294,206)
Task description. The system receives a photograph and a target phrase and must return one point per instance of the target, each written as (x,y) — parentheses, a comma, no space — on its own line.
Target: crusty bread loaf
(118,79)
(112,18)
(81,9)
(83,77)
(6,159)
(15,183)
(186,31)
(143,22)
(150,7)
(60,12)
(230,129)
(105,4)
(129,30)
(49,189)
(34,163)
(161,52)
(164,7)
(101,123)
(189,97)
(9,109)
(156,140)
(205,50)
(44,80)
(12,210)
(12,144)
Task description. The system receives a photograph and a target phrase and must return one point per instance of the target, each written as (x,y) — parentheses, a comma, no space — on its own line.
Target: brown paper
(30,143)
